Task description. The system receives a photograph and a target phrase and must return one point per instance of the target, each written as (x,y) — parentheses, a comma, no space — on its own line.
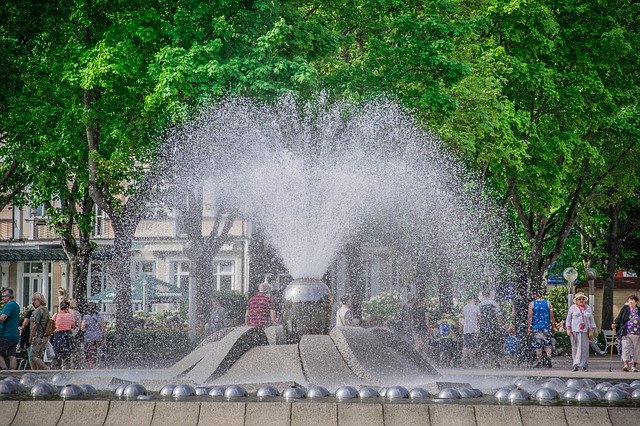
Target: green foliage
(234,303)
(558,297)
(563,344)
(148,348)
(383,309)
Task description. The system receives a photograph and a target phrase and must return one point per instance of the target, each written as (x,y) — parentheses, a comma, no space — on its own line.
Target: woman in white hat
(581,328)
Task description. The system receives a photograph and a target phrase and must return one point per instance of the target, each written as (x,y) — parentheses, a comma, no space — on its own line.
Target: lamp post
(591,276)
(570,274)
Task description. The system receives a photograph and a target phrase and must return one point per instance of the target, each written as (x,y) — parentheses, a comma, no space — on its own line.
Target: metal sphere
(635,394)
(29,379)
(478,393)
(502,394)
(133,391)
(382,392)
(235,391)
(120,389)
(346,392)
(217,391)
(71,391)
(523,382)
(518,395)
(599,393)
(60,379)
(317,392)
(182,391)
(585,395)
(41,389)
(624,386)
(615,394)
(143,397)
(202,390)
(88,389)
(368,392)
(419,393)
(570,393)
(397,392)
(589,383)
(575,383)
(635,384)
(167,390)
(293,392)
(267,391)
(8,387)
(604,386)
(546,394)
(467,393)
(449,393)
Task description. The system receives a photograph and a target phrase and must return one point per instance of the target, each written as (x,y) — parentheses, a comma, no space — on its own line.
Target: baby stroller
(22,359)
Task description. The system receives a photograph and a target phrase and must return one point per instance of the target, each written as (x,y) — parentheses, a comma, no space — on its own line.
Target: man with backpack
(38,336)
(540,326)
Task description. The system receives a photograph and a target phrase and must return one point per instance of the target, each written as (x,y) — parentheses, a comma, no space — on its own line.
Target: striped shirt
(259,309)
(64,321)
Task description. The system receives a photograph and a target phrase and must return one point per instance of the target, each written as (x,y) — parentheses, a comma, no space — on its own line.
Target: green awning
(158,291)
(35,254)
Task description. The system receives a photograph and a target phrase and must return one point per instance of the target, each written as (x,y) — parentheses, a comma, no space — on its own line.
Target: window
(180,273)
(146,267)
(224,274)
(34,279)
(38,212)
(98,280)
(99,222)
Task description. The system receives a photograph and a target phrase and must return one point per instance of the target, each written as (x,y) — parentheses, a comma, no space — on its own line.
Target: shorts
(541,339)
(9,346)
(470,340)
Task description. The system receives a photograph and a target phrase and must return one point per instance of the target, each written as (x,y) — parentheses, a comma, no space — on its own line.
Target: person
(446,339)
(93,328)
(419,319)
(38,324)
(344,316)
(540,326)
(511,342)
(63,344)
(9,333)
(77,336)
(581,327)
(217,316)
(260,310)
(491,332)
(25,329)
(627,328)
(470,330)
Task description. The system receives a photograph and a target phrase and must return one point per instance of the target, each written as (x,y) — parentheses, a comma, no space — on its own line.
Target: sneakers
(634,369)
(575,368)
(585,369)
(538,365)
(625,368)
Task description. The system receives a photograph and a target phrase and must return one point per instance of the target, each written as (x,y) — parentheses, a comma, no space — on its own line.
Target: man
(540,326)
(491,331)
(9,334)
(260,310)
(39,319)
(344,316)
(470,330)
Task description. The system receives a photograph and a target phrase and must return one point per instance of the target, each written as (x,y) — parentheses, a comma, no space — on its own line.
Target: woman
(63,343)
(37,326)
(627,327)
(94,334)
(581,328)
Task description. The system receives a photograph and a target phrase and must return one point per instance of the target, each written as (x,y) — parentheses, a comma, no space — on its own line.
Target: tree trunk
(120,271)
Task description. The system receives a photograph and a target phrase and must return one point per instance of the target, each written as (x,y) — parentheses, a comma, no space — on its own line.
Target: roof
(629,283)
(158,291)
(32,254)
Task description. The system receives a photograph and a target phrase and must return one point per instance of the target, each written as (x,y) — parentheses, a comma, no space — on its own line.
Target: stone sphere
(29,379)
(502,394)
(614,394)
(317,392)
(267,391)
(397,392)
(133,391)
(585,395)
(167,390)
(570,393)
(217,391)
(449,393)
(182,391)
(518,395)
(589,383)
(71,391)
(41,389)
(88,389)
(293,392)
(635,394)
(575,383)
(419,393)
(604,386)
(235,391)
(346,392)
(202,390)
(546,394)
(61,378)
(368,392)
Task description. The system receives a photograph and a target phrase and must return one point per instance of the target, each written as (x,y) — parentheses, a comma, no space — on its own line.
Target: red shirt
(64,321)
(259,308)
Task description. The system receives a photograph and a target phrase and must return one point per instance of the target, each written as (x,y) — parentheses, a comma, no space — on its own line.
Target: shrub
(150,348)
(383,309)
(234,303)
(558,298)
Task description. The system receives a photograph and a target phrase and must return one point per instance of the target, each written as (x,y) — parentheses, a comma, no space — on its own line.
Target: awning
(32,254)
(157,291)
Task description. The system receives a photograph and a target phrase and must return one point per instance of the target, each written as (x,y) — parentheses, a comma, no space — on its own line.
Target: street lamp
(591,276)
(570,274)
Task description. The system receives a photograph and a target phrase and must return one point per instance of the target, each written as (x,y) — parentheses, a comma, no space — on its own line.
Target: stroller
(22,359)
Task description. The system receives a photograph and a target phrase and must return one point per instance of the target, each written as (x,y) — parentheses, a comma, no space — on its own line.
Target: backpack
(50,328)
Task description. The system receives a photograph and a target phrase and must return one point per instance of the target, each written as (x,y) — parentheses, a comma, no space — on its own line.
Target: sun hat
(578,295)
